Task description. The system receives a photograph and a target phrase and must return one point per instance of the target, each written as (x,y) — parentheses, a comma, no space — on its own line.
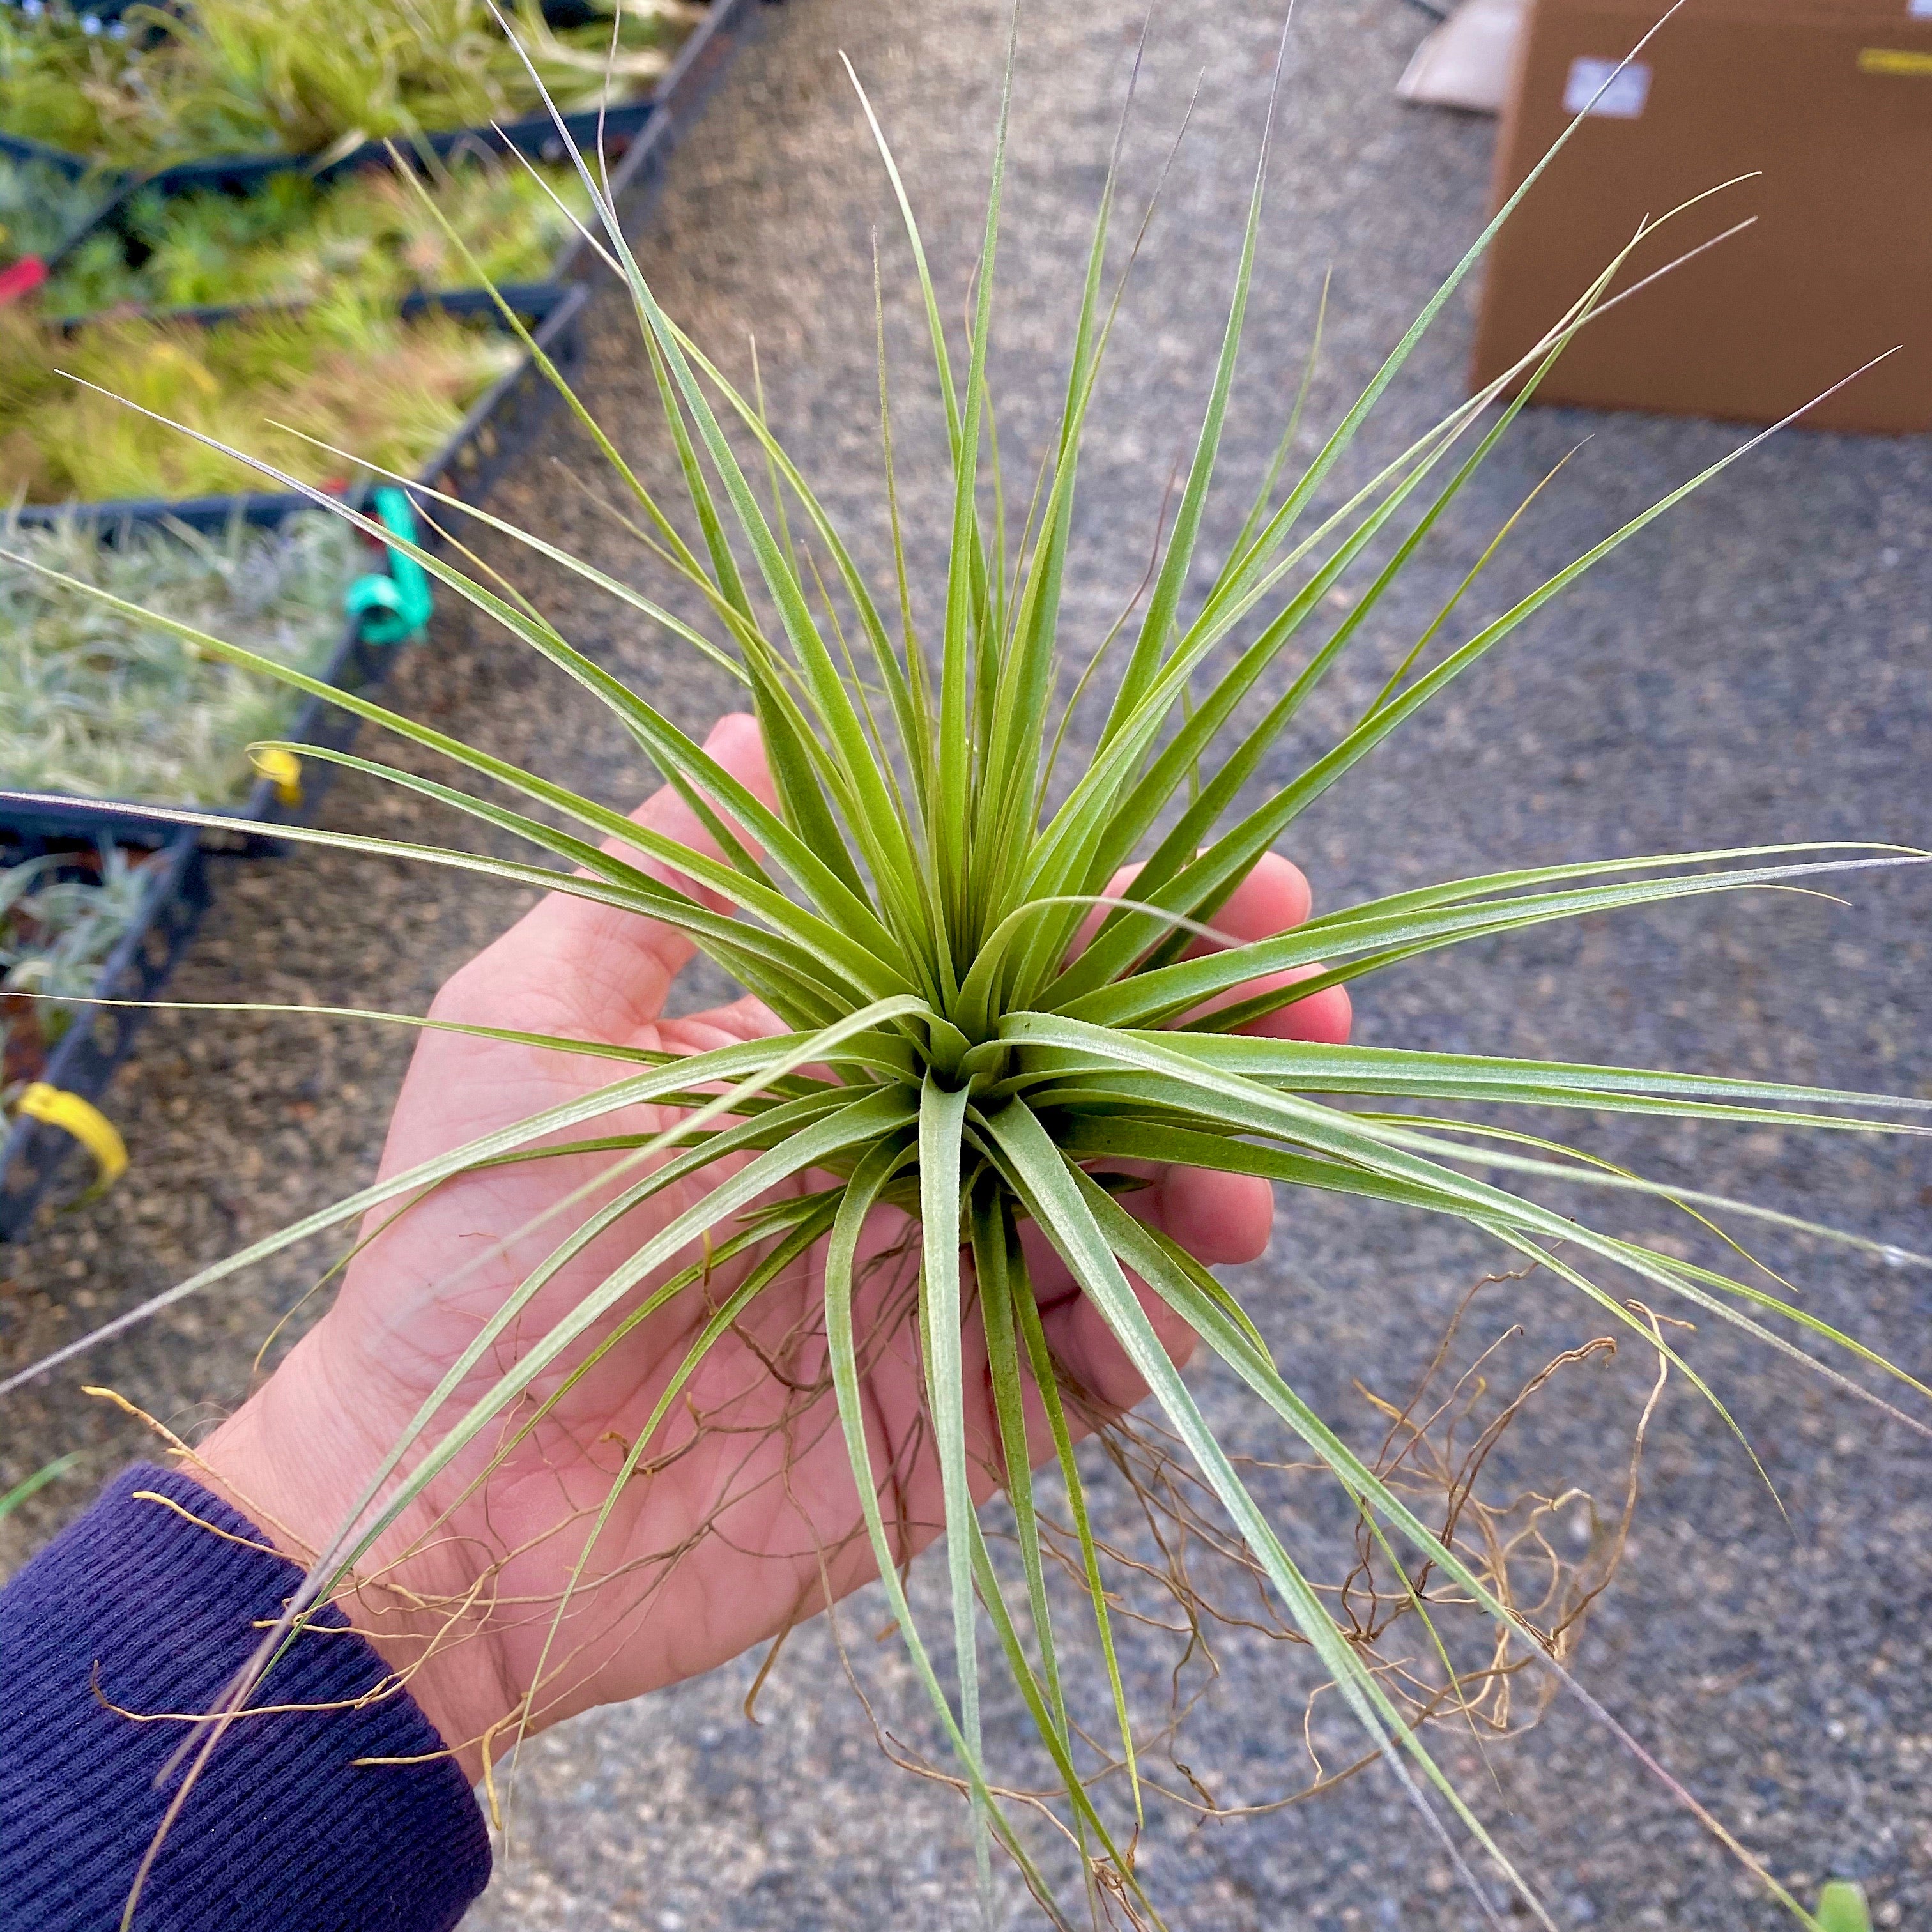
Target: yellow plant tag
(87,1123)
(1894,60)
(284,769)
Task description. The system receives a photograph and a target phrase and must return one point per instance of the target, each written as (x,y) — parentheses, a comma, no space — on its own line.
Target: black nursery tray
(35,1150)
(97,1039)
(356,665)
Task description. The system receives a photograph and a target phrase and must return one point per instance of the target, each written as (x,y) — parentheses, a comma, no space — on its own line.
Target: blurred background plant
(61,916)
(59,83)
(59,931)
(347,371)
(238,77)
(294,239)
(95,703)
(39,205)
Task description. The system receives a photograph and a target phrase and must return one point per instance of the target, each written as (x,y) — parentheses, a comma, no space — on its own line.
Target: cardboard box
(1829,102)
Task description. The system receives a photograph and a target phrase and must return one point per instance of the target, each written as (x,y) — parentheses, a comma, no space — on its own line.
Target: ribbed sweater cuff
(137,1606)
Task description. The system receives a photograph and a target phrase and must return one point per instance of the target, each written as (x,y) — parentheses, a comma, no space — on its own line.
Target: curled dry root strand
(1184,1575)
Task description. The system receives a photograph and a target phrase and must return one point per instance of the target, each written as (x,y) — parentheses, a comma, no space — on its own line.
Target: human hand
(744,1519)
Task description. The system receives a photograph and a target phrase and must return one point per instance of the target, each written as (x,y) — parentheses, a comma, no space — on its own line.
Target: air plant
(294,239)
(58,923)
(59,929)
(241,76)
(100,704)
(345,371)
(39,206)
(973,1027)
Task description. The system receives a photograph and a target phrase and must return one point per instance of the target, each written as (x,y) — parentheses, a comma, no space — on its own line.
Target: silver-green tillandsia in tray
(97,703)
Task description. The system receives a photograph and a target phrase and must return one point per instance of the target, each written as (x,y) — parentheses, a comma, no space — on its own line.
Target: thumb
(614,966)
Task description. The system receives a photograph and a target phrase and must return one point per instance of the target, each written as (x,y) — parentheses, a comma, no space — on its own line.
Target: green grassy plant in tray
(975,1048)
(348,373)
(293,239)
(60,84)
(98,704)
(298,76)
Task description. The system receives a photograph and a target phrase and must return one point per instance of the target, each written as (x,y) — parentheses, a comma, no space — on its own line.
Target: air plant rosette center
(984,1029)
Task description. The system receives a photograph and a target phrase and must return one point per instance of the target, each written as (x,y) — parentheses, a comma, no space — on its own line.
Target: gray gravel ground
(1755,669)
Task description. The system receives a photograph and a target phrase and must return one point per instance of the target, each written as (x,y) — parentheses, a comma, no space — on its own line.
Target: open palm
(497,1591)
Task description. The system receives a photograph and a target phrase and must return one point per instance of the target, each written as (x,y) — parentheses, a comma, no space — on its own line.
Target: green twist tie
(391,607)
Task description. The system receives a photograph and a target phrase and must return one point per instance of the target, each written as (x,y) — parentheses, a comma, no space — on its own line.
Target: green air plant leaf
(1841,1908)
(948,1050)
(29,1487)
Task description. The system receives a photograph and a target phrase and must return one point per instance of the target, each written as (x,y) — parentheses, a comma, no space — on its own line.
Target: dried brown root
(1175,1569)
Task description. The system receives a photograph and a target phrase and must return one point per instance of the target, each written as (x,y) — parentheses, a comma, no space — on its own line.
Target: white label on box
(1623,99)
(1919,10)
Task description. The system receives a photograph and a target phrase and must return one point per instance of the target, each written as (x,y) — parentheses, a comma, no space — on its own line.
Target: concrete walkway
(1755,669)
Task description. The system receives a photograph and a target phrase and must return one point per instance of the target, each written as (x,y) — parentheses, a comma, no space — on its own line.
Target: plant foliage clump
(248,76)
(975,1026)
(40,207)
(101,704)
(61,914)
(348,373)
(295,239)
(55,78)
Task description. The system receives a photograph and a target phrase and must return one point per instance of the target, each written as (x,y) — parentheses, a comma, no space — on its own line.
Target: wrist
(293,1460)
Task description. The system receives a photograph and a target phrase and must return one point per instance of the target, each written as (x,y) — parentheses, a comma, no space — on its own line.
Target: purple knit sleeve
(136,1606)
